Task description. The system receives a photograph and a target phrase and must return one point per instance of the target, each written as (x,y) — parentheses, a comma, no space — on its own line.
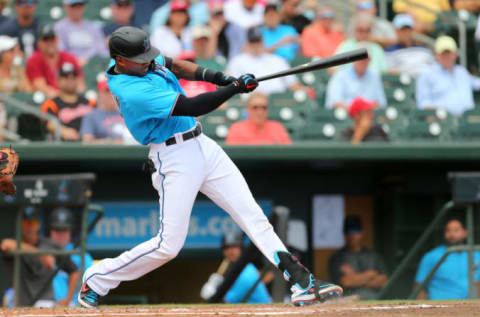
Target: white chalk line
(187,312)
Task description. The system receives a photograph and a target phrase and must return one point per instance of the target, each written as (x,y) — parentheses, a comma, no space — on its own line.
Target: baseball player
(184,161)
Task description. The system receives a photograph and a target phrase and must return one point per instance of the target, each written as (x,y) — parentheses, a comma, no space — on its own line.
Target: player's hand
(8,245)
(246,83)
(224,80)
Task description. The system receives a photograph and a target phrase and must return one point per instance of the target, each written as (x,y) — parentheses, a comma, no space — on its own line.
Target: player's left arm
(191,71)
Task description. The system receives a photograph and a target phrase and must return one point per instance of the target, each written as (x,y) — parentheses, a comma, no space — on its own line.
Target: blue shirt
(273,36)
(147,103)
(440,88)
(451,279)
(60,281)
(345,85)
(242,285)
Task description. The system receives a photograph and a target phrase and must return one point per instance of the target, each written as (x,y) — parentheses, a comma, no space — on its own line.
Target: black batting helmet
(133,44)
(232,239)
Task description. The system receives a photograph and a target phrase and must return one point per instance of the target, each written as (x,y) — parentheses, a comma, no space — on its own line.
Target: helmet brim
(145,57)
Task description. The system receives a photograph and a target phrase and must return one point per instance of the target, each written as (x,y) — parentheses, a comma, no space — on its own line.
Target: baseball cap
(360,104)
(133,44)
(352,224)
(25,2)
(178,5)
(72,2)
(215,7)
(232,239)
(445,43)
(7,43)
(31,216)
(46,31)
(102,85)
(271,6)
(61,218)
(364,5)
(254,34)
(200,31)
(67,69)
(403,20)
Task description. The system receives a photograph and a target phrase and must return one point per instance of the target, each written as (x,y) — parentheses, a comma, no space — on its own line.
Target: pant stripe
(161,230)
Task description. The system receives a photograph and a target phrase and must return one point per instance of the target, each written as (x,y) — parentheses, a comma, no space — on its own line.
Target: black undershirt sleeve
(203,103)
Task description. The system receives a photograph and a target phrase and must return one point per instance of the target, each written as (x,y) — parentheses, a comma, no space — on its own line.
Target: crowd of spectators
(239,36)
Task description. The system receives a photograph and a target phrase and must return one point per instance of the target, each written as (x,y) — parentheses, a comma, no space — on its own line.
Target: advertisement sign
(126,224)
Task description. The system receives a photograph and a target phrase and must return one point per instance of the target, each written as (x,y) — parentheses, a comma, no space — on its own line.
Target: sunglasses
(257,107)
(77,5)
(30,223)
(363,30)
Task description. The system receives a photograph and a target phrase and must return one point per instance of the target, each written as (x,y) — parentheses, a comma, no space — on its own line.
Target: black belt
(186,136)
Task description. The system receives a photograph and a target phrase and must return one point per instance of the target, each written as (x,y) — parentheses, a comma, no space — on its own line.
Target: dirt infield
(403,309)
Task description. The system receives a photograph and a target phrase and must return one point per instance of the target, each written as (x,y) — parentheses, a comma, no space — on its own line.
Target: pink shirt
(318,43)
(247,133)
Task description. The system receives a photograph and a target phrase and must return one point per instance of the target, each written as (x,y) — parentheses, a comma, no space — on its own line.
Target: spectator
(122,13)
(362,28)
(232,245)
(257,129)
(24,27)
(12,74)
(323,36)
(422,11)
(279,39)
(4,18)
(197,11)
(36,271)
(450,281)
(64,285)
(245,13)
(174,37)
(290,15)
(43,66)
(143,12)
(445,84)
(68,107)
(364,127)
(383,32)
(356,80)
(205,47)
(255,61)
(78,36)
(104,124)
(470,5)
(231,37)
(360,271)
(406,56)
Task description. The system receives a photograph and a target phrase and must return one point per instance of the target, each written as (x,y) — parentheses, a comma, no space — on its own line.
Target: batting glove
(224,80)
(246,83)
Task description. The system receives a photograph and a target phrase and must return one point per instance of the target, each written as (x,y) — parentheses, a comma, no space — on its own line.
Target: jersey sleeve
(149,102)
(88,125)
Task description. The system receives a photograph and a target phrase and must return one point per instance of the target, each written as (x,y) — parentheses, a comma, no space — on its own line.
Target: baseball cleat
(318,291)
(87,297)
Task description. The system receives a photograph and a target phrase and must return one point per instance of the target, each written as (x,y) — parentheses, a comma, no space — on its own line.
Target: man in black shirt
(24,27)
(68,106)
(290,15)
(358,270)
(36,271)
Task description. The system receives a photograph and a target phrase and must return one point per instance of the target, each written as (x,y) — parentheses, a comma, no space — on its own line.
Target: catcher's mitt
(8,168)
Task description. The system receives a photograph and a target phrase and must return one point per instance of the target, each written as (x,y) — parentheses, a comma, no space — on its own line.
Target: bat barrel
(331,61)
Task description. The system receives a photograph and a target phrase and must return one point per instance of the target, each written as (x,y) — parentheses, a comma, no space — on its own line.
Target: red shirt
(37,67)
(317,42)
(195,88)
(247,133)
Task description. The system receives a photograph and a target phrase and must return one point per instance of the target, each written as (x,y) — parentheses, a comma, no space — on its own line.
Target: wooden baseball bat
(331,61)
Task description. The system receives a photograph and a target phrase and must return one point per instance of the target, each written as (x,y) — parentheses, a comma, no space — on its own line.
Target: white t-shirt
(168,43)
(261,65)
(235,12)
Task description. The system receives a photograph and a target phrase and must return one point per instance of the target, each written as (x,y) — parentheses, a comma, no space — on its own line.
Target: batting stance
(157,113)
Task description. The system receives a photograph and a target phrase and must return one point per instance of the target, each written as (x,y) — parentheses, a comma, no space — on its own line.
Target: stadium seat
(317,80)
(285,114)
(95,70)
(448,121)
(322,131)
(299,60)
(427,131)
(392,121)
(50,11)
(216,131)
(98,10)
(293,99)
(401,99)
(469,125)
(322,115)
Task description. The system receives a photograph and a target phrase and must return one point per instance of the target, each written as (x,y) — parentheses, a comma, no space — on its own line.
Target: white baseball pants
(184,169)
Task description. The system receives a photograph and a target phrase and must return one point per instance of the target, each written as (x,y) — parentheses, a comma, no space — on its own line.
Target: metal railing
(24,107)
